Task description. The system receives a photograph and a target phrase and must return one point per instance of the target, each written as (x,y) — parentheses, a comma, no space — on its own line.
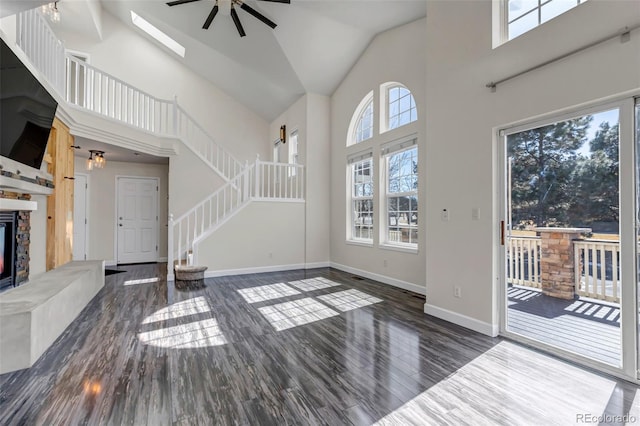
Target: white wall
(262,236)
(396,55)
(38,241)
(463,116)
(310,116)
(135,60)
(101,211)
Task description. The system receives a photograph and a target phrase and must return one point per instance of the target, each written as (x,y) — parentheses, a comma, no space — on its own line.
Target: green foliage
(542,162)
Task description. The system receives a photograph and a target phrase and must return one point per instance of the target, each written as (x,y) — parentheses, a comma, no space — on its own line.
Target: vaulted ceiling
(311,50)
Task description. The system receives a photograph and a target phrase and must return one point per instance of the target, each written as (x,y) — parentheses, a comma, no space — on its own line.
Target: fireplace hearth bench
(35,314)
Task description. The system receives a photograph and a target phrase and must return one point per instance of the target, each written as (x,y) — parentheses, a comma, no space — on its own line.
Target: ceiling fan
(227,7)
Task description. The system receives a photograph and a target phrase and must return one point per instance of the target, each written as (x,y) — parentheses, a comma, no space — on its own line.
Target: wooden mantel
(60,204)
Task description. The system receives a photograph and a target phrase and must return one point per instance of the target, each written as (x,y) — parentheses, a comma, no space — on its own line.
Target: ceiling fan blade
(257,15)
(177,2)
(236,20)
(279,1)
(212,15)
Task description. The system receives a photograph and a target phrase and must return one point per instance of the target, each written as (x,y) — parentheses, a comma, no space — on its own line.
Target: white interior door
(80,217)
(137,219)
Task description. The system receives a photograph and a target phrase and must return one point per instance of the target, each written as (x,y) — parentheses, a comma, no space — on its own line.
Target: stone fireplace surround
(22,235)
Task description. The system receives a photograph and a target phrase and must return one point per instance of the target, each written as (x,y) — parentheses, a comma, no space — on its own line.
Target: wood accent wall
(60,203)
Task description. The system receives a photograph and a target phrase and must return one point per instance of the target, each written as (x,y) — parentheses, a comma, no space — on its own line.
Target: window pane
(364,129)
(520,7)
(523,24)
(556,7)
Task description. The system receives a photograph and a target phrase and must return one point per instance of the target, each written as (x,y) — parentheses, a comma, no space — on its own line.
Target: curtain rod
(624,34)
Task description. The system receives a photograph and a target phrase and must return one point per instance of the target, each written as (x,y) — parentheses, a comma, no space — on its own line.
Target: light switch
(475,213)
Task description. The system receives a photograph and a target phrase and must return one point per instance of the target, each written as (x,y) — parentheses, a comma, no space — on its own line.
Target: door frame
(86,211)
(627,231)
(115,214)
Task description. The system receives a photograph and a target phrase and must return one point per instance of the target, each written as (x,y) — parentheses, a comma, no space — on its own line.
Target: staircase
(87,88)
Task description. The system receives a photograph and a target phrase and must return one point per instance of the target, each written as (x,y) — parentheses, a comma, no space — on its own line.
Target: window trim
(384,118)
(504,17)
(293,156)
(405,144)
(356,118)
(352,160)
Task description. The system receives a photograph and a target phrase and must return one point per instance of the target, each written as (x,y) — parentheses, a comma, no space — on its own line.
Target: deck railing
(597,269)
(596,266)
(523,261)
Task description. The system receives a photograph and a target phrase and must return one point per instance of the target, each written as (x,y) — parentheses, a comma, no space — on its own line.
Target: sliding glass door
(568,267)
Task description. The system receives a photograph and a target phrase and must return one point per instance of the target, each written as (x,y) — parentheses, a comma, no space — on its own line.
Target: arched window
(361,127)
(400,105)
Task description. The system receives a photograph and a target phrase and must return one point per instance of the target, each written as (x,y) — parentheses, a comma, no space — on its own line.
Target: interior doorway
(137,219)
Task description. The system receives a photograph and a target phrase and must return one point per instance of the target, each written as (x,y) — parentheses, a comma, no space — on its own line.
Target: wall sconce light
(283,134)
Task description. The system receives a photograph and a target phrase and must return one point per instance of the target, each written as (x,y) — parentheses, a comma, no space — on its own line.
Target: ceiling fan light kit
(227,7)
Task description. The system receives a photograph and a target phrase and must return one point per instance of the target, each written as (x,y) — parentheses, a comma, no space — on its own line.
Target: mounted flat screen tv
(26,111)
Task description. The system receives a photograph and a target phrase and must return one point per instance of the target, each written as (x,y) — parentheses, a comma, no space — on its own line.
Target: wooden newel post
(557,263)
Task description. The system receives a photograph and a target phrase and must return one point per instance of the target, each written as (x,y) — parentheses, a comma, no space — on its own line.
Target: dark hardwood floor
(298,347)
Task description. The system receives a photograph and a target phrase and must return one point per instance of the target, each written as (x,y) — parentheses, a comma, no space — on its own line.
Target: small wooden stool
(189,277)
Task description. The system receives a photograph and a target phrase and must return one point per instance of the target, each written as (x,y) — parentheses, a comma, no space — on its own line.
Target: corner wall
(310,116)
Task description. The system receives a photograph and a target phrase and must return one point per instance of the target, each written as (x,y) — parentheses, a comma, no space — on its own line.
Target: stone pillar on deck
(557,264)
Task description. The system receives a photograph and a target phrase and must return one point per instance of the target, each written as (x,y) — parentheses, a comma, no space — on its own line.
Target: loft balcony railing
(88,88)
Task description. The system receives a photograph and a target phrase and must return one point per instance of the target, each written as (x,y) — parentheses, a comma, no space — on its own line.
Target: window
(276,151)
(401,107)
(524,15)
(361,170)
(293,152)
(401,162)
(361,126)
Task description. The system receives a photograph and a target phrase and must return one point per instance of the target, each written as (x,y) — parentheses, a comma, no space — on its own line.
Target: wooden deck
(583,326)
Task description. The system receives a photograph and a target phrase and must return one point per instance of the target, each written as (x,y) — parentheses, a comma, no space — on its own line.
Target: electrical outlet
(444,215)
(384,263)
(475,213)
(270,255)
(457,292)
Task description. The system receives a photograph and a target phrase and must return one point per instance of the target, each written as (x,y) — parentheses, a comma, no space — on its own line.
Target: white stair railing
(89,88)
(261,181)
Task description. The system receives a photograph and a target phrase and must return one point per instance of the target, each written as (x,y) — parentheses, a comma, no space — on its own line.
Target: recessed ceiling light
(154,32)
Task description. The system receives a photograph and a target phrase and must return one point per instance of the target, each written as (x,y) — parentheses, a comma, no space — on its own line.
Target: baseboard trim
(462,320)
(162,259)
(110,263)
(315,265)
(254,270)
(382,278)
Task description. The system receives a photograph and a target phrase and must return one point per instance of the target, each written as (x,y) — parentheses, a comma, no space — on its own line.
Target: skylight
(154,32)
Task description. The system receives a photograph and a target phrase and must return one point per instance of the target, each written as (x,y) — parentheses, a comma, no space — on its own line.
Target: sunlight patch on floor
(142,281)
(267,292)
(185,308)
(349,299)
(311,284)
(198,334)
(503,374)
(298,312)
